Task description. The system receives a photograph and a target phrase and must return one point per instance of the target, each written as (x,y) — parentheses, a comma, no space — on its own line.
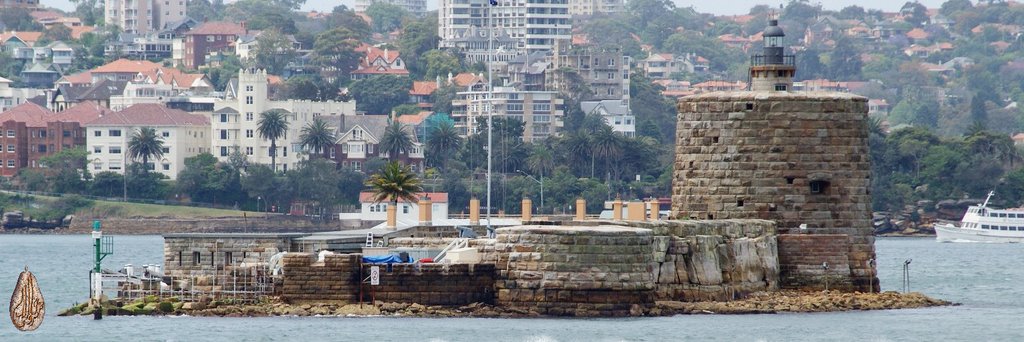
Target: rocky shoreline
(758,303)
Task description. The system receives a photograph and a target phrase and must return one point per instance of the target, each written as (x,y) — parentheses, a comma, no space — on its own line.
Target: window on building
(405,209)
(227,258)
(285,151)
(780,87)
(114,133)
(66,133)
(42,133)
(248,88)
(223,151)
(248,133)
(197,258)
(248,151)
(248,100)
(97,166)
(97,133)
(332,153)
(42,148)
(223,134)
(10,133)
(165,150)
(248,116)
(10,148)
(818,186)
(167,167)
(223,118)
(114,149)
(10,163)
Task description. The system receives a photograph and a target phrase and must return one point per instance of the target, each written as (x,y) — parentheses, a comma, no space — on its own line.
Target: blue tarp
(382,259)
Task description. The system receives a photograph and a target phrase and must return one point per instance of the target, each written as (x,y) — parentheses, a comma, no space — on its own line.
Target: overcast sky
(726,7)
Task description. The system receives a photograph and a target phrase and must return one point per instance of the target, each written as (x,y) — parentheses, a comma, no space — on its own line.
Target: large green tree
(205,180)
(386,17)
(334,51)
(443,140)
(379,94)
(273,51)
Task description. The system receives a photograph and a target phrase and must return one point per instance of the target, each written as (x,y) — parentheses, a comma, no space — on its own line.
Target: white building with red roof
(184,135)
(407,211)
(377,61)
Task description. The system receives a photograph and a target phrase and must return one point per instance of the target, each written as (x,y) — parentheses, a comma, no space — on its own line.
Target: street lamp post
(541,182)
(258,198)
(490,102)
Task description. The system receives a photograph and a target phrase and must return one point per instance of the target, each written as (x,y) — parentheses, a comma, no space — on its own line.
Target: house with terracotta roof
(210,37)
(19,44)
(407,212)
(377,61)
(66,96)
(662,65)
(183,134)
(421,92)
(31,132)
(142,71)
(917,36)
(468,81)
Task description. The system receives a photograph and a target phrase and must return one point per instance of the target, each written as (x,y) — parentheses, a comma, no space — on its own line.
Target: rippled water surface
(986,278)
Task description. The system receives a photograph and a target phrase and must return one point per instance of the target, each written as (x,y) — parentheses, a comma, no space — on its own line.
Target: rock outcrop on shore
(758,303)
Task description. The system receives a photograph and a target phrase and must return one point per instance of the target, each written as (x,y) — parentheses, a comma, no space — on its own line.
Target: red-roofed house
(1018,139)
(376,61)
(31,132)
(210,37)
(184,135)
(917,35)
(407,212)
(421,91)
(141,71)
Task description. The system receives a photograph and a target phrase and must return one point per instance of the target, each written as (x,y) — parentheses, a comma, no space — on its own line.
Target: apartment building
(143,16)
(414,7)
(541,111)
(235,118)
(535,25)
(30,132)
(184,135)
(210,37)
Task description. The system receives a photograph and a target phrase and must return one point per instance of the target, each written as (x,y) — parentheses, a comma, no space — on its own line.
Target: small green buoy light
(104,247)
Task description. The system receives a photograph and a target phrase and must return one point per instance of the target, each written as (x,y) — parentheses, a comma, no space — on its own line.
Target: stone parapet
(575,271)
(335,279)
(156,226)
(433,284)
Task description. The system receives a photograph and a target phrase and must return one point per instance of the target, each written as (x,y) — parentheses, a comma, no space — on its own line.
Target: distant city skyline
(729,7)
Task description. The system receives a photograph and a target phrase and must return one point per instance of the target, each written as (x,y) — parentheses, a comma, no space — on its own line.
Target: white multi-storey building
(184,135)
(12,97)
(234,121)
(591,7)
(143,16)
(540,111)
(616,113)
(414,7)
(535,25)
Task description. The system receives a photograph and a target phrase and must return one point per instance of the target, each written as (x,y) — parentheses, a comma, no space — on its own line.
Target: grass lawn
(139,210)
(125,210)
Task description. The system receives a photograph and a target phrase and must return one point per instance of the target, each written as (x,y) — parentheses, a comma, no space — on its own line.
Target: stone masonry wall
(336,279)
(575,271)
(208,255)
(790,157)
(802,256)
(433,284)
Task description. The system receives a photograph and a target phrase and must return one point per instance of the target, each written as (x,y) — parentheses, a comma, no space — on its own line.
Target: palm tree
(145,144)
(317,137)
(442,143)
(394,181)
(396,140)
(272,126)
(606,144)
(577,144)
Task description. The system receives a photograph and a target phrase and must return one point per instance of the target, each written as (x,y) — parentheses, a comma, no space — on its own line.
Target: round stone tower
(797,158)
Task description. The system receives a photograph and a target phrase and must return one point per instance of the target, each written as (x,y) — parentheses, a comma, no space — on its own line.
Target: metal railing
(756,60)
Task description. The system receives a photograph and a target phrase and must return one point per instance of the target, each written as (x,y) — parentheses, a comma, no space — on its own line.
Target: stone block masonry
(433,284)
(335,279)
(137,226)
(802,257)
(796,158)
(575,271)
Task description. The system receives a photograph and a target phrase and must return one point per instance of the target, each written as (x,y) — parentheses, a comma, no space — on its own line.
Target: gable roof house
(358,140)
(184,135)
(376,61)
(214,37)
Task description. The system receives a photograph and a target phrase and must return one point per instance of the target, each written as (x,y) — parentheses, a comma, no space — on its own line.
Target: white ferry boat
(984,224)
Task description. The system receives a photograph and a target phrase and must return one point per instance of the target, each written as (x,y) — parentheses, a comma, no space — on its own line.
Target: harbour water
(985,278)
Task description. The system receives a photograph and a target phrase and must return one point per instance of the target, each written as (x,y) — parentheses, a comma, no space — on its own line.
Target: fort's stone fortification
(796,158)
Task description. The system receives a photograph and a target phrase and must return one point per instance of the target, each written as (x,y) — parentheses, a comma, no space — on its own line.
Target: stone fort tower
(796,158)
